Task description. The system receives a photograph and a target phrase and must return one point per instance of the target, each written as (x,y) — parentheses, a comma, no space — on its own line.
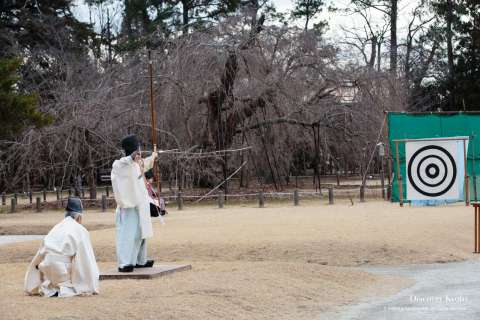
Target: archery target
(433,169)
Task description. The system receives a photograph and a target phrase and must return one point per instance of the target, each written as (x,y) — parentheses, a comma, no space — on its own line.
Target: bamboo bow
(156,173)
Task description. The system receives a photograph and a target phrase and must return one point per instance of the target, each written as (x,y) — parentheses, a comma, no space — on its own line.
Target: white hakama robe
(65,263)
(133,221)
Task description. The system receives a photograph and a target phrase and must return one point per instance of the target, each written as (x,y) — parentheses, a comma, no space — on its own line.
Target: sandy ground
(279,262)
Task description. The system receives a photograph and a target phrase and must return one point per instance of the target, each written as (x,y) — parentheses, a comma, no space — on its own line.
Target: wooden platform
(144,273)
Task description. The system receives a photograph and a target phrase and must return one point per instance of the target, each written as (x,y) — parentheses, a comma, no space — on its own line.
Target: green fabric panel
(413,126)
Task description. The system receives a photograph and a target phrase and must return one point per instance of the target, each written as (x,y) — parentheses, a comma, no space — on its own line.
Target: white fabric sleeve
(148,163)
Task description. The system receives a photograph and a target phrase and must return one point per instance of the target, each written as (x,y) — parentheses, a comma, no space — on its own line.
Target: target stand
(432,168)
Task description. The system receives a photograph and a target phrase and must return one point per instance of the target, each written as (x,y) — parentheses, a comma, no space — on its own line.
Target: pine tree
(467,68)
(307,9)
(147,23)
(27,26)
(460,80)
(18,110)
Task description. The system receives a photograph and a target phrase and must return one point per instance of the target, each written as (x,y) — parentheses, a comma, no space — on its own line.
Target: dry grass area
(212,290)
(280,262)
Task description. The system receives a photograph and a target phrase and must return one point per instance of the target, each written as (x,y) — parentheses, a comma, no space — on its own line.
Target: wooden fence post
(13,204)
(399,176)
(221,200)
(93,192)
(104,203)
(362,194)
(44,195)
(330,195)
(58,194)
(261,199)
(39,205)
(30,196)
(296,198)
(179,201)
(107,191)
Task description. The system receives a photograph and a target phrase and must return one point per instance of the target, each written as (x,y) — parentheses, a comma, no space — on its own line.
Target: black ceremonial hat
(130,144)
(74,204)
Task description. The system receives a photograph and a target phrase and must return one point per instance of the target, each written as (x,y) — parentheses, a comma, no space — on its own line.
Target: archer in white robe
(133,221)
(65,263)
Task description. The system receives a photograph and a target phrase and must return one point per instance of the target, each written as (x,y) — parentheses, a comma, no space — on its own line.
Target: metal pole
(399,176)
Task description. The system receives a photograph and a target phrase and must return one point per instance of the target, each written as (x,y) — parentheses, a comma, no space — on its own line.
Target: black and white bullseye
(432,171)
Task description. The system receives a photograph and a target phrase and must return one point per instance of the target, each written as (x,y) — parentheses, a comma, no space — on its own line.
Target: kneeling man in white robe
(65,265)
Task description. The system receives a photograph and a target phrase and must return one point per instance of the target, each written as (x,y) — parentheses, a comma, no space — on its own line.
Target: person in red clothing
(157,205)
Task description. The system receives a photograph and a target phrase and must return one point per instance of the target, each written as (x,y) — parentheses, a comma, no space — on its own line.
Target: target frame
(413,181)
(400,179)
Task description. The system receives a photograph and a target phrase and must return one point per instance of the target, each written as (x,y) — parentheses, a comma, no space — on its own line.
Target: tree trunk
(393,36)
(373,53)
(316,159)
(379,56)
(185,17)
(451,71)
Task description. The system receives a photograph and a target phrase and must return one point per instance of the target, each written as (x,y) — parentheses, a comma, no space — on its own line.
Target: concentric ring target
(432,171)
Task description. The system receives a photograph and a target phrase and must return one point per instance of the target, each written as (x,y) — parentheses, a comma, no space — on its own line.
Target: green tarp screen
(434,125)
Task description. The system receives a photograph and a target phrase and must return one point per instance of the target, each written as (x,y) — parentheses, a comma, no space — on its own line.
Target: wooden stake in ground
(473,171)
(467,184)
(476,228)
(399,176)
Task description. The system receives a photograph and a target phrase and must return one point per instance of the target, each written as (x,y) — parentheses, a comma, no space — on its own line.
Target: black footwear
(127,268)
(149,264)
